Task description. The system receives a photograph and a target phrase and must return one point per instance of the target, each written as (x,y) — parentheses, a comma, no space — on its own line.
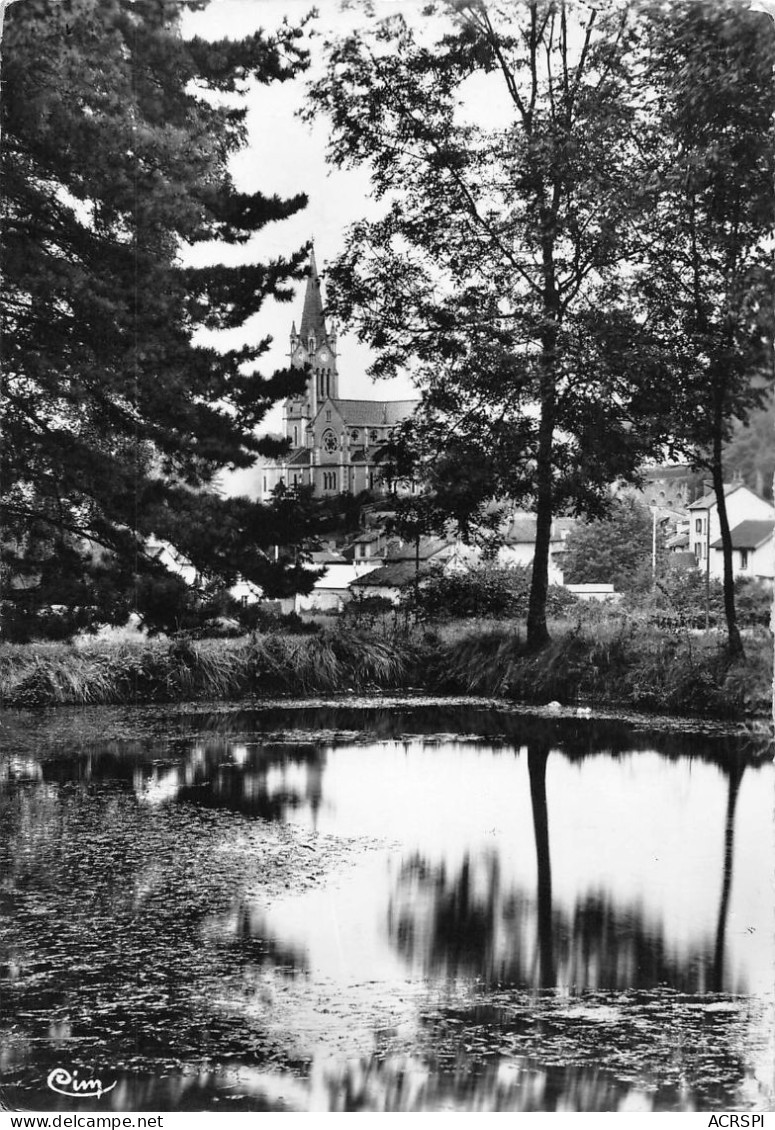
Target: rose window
(329,443)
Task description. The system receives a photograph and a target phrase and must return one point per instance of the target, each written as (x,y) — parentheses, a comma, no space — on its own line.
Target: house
(743,506)
(519,543)
(333,590)
(753,550)
(172,559)
(366,551)
(594,590)
(405,562)
(337,445)
(390,582)
(246,592)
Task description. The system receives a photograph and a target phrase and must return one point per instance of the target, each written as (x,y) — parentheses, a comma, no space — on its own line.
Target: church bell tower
(313,345)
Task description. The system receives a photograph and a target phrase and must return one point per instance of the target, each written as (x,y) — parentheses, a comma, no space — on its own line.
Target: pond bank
(625,666)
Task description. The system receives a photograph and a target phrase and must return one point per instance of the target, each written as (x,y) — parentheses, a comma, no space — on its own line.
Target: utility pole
(653,546)
(707,570)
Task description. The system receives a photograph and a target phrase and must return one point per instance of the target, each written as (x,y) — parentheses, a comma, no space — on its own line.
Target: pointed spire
(312,317)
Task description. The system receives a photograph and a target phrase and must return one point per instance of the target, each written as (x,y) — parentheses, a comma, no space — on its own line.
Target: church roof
(312,321)
(299,457)
(372,413)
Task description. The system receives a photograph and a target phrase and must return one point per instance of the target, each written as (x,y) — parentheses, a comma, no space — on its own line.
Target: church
(337,445)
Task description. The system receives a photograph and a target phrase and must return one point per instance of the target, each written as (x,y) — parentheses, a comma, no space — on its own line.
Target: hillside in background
(752,452)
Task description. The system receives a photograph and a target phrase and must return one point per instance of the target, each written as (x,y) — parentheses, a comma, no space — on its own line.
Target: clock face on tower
(299,353)
(323,354)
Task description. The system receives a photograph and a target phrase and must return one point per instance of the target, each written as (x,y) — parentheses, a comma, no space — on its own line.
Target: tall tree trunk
(537,631)
(735,642)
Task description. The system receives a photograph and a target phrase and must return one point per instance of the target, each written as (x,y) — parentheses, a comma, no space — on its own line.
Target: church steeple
(313,346)
(312,322)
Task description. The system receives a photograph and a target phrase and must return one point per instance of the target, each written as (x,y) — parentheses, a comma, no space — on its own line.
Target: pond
(383,906)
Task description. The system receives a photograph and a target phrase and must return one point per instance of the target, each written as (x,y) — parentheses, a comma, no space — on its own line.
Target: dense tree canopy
(116,140)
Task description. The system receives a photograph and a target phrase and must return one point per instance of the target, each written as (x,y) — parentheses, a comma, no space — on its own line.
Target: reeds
(622,664)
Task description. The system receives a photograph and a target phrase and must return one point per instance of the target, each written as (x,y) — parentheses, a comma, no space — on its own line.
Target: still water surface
(385,907)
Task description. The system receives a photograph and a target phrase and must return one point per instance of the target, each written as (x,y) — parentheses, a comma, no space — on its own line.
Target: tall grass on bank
(626,664)
(159,671)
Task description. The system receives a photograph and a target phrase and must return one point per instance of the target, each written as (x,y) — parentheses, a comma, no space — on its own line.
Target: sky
(285,155)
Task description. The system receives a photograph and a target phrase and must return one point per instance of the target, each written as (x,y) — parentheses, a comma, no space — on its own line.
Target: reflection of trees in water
(255,947)
(201,760)
(734,774)
(171,1091)
(576,738)
(269,779)
(523,1084)
(468,924)
(478,930)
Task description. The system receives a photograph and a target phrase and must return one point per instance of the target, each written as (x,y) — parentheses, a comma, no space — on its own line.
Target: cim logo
(66,1083)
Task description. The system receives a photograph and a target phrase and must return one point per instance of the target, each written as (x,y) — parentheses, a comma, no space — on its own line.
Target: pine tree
(116,141)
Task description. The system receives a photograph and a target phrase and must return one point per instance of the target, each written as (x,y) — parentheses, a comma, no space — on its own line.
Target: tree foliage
(116,140)
(705,263)
(496,271)
(486,590)
(616,549)
(751,451)
(579,278)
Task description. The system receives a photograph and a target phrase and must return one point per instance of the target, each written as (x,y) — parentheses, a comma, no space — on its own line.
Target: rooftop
(375,413)
(522,528)
(709,499)
(397,575)
(429,547)
(749,534)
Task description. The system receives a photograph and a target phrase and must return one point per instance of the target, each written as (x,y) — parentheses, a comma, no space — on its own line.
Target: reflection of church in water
(337,446)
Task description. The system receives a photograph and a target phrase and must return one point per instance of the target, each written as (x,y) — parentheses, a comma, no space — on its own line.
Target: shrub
(259,618)
(483,591)
(753,600)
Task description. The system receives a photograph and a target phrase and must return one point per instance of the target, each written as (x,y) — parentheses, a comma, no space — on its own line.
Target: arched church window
(373,435)
(354,435)
(330,444)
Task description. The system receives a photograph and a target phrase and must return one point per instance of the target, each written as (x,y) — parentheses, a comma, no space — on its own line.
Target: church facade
(337,445)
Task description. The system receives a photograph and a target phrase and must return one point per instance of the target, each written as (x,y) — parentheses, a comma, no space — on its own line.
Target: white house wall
(742,505)
(761,562)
